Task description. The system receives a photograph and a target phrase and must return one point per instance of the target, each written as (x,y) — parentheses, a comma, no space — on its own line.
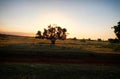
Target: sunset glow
(82,18)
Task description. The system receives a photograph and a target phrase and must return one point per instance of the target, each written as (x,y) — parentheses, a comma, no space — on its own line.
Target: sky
(82,18)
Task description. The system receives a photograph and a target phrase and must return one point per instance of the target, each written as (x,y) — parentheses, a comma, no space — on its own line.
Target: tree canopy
(117,30)
(53,32)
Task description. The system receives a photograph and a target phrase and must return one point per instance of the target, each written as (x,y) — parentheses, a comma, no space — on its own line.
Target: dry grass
(94,46)
(24,46)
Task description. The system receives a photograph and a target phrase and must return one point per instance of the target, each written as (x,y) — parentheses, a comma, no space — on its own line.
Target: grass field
(32,44)
(13,47)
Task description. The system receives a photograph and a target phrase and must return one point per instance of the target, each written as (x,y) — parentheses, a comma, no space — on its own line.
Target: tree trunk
(118,36)
(53,41)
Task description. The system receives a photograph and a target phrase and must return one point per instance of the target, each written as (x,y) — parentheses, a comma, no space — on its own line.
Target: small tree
(53,33)
(117,30)
(38,34)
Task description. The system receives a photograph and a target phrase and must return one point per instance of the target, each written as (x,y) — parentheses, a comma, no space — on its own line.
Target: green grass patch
(37,48)
(114,47)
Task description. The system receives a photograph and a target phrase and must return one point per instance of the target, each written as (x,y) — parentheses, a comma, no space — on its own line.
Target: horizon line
(27,34)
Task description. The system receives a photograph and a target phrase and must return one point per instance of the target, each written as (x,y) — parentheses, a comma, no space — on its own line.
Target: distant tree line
(53,32)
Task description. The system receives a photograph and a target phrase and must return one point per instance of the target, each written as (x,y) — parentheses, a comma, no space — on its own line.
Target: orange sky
(82,18)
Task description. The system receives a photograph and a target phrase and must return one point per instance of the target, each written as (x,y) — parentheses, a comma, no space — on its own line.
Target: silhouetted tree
(53,33)
(117,30)
(38,34)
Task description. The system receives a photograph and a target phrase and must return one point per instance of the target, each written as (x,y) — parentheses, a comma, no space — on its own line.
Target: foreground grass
(53,51)
(46,71)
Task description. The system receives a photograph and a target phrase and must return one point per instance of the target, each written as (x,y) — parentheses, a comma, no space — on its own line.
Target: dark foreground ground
(30,50)
(58,71)
(24,53)
(25,62)
(114,60)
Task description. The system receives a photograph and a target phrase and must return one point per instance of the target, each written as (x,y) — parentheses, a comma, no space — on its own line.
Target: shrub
(99,39)
(113,40)
(83,40)
(74,38)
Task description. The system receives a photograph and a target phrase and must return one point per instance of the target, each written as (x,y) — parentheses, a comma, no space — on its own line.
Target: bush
(89,39)
(99,39)
(74,38)
(83,40)
(113,40)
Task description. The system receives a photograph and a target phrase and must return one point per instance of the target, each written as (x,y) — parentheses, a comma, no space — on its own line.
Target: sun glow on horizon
(82,18)
(57,18)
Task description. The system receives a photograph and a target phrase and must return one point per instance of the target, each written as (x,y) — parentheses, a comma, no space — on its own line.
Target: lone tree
(53,32)
(117,30)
